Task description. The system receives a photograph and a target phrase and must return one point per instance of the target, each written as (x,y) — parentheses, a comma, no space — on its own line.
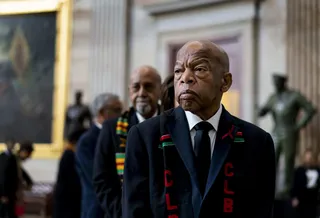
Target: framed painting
(35,43)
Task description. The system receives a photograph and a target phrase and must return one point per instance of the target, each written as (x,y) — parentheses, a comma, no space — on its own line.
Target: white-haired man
(105,106)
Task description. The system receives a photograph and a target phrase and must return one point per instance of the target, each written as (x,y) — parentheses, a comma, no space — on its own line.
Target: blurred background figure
(167,94)
(105,106)
(24,153)
(78,116)
(144,92)
(13,178)
(306,186)
(9,181)
(10,145)
(67,192)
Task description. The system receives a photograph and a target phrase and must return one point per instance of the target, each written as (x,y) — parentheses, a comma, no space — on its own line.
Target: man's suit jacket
(107,183)
(84,161)
(160,176)
(67,191)
(9,175)
(9,182)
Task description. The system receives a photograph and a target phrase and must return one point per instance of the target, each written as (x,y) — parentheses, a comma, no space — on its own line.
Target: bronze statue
(284,106)
(78,116)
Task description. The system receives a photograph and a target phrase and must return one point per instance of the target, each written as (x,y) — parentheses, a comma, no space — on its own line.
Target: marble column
(303,60)
(107,62)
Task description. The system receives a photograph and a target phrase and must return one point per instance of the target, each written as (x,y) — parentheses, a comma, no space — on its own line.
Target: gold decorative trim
(62,64)
(28,6)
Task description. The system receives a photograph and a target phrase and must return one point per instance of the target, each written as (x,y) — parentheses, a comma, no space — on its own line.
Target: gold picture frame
(63,9)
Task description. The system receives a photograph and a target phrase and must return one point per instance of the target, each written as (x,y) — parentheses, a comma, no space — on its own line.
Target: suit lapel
(224,139)
(178,128)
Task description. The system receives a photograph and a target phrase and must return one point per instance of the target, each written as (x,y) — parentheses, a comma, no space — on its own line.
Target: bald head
(214,53)
(148,71)
(145,83)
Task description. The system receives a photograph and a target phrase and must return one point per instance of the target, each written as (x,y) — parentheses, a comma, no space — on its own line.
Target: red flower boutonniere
(165,141)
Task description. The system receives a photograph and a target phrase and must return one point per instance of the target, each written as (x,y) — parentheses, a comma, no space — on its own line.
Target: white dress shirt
(214,121)
(141,118)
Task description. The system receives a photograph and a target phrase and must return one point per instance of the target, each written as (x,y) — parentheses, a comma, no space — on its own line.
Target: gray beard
(143,109)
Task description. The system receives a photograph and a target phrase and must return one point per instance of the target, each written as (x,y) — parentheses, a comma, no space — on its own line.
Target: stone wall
(303,60)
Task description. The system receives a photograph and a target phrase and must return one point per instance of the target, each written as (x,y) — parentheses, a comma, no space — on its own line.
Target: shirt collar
(194,119)
(99,125)
(141,118)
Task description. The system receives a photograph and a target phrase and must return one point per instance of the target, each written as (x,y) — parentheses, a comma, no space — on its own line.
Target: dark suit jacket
(9,182)
(84,161)
(160,177)
(306,196)
(9,175)
(67,193)
(106,180)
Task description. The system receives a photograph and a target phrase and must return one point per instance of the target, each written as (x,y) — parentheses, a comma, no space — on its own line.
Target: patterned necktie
(202,147)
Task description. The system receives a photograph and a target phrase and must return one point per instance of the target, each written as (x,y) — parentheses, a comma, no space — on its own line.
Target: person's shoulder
(294,92)
(85,136)
(250,129)
(151,127)
(68,155)
(300,169)
(83,141)
(110,123)
(154,122)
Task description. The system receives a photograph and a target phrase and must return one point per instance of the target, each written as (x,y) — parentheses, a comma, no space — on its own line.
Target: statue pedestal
(282,204)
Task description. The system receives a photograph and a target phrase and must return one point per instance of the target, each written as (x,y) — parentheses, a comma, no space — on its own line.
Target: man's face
(145,92)
(198,78)
(308,158)
(112,110)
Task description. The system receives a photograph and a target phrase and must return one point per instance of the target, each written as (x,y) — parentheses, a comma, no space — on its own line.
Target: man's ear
(226,82)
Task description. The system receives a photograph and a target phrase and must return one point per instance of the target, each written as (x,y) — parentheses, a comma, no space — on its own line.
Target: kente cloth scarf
(122,132)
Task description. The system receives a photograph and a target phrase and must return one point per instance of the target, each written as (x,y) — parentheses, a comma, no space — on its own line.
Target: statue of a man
(284,106)
(78,116)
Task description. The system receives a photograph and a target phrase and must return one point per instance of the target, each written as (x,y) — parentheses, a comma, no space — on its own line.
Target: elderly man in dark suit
(199,161)
(105,106)
(144,91)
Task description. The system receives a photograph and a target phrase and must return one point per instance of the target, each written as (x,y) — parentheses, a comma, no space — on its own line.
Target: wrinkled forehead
(203,52)
(145,75)
(195,52)
(192,49)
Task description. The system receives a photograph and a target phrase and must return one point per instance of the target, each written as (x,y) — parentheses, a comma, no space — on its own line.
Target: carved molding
(157,9)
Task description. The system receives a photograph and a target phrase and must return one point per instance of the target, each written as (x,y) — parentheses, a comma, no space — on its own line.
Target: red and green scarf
(122,132)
